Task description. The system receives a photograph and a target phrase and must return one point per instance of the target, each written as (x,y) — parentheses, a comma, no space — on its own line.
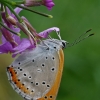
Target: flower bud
(8,36)
(48,3)
(29,26)
(11,20)
(25,29)
(30,3)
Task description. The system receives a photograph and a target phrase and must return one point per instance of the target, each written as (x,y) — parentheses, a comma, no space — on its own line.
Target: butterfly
(36,74)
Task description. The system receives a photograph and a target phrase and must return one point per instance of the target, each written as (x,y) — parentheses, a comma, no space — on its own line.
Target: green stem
(1,7)
(17,16)
(13,2)
(6,11)
(7,1)
(19,2)
(26,8)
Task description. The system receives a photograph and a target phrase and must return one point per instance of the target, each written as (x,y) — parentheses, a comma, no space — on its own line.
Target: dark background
(81,75)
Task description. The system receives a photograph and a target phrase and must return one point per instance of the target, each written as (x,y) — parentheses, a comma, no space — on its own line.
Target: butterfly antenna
(81,36)
(79,39)
(84,38)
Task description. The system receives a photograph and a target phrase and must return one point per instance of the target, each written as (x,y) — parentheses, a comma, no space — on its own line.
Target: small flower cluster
(11,24)
(48,3)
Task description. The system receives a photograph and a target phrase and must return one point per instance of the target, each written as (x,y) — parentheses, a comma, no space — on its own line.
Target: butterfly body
(36,74)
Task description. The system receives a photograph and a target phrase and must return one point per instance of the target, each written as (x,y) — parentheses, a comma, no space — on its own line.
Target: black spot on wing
(19,63)
(51,96)
(36,83)
(43,65)
(24,74)
(43,82)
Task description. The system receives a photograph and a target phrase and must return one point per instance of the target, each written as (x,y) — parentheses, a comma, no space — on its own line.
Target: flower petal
(3,39)
(25,44)
(5,48)
(8,11)
(17,10)
(45,33)
(5,20)
(16,38)
(15,29)
(49,4)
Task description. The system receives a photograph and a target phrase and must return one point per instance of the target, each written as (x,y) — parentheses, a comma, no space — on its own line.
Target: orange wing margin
(51,95)
(16,82)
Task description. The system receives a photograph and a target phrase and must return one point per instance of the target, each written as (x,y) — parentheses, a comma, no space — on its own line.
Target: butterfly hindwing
(35,74)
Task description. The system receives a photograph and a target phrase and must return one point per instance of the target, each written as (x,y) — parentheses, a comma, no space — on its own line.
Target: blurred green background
(81,75)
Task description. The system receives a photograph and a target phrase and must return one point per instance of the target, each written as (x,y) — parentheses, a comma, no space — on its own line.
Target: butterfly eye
(63,44)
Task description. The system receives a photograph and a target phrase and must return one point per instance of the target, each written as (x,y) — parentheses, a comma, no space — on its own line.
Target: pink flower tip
(49,4)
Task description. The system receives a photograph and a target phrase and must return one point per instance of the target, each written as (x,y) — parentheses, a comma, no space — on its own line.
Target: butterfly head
(59,44)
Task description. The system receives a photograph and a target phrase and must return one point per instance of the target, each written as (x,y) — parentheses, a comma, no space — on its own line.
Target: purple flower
(12,43)
(5,18)
(21,45)
(6,46)
(45,33)
(48,3)
(15,45)
(9,40)
(30,3)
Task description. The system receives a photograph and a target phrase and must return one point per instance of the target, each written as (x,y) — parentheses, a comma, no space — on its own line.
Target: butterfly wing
(36,74)
(51,95)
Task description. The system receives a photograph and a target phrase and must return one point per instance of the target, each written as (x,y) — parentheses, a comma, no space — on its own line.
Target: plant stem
(26,8)
(17,16)
(19,2)
(8,29)
(23,7)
